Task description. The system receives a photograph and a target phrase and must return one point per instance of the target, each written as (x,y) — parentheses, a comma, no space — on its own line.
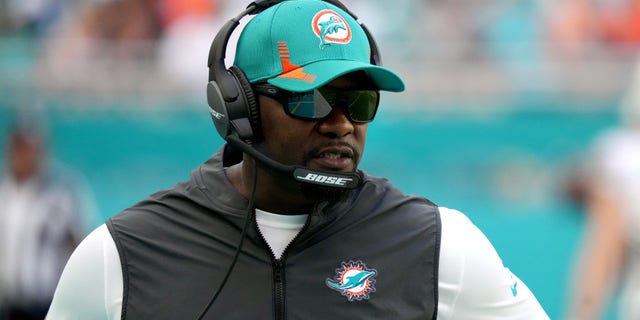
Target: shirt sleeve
(473,283)
(90,286)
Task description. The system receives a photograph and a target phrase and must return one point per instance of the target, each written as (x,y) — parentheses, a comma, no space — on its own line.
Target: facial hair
(325,193)
(314,192)
(322,193)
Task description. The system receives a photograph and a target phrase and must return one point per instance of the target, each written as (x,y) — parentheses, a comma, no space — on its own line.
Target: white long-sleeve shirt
(473,282)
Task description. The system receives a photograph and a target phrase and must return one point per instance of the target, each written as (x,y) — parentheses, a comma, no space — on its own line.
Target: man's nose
(336,123)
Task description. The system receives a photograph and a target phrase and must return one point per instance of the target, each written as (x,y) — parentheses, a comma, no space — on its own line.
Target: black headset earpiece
(232,103)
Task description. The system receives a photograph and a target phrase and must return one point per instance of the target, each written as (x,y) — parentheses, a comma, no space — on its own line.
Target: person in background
(43,216)
(608,187)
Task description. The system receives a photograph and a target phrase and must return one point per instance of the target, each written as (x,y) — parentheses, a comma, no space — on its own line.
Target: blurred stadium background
(502,101)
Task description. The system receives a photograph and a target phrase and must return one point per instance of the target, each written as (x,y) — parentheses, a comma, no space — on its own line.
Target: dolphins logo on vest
(353,280)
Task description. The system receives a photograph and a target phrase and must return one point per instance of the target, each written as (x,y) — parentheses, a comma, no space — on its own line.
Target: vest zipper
(278,281)
(279,294)
(278,273)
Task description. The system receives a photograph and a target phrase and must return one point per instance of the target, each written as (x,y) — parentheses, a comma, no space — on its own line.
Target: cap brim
(319,73)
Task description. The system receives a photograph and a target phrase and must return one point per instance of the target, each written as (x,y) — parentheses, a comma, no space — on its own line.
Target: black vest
(374,256)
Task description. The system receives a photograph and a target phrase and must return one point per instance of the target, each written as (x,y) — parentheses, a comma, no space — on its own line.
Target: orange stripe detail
(290,70)
(298,74)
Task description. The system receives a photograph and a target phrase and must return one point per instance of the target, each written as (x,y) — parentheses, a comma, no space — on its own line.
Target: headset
(234,108)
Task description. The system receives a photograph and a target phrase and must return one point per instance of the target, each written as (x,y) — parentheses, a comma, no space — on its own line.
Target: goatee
(322,193)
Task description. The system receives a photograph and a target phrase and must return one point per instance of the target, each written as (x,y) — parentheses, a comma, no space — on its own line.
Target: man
(40,225)
(290,228)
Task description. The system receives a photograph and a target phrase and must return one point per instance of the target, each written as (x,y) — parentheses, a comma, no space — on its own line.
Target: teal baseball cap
(300,45)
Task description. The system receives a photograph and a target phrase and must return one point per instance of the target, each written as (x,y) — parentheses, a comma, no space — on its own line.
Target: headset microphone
(345,180)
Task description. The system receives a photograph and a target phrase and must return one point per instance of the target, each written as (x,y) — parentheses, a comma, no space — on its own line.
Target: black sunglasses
(360,105)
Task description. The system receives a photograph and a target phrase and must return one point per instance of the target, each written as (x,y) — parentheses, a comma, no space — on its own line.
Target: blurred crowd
(443,48)
(113,47)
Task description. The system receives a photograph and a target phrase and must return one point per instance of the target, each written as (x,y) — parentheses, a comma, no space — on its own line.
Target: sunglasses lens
(361,105)
(308,105)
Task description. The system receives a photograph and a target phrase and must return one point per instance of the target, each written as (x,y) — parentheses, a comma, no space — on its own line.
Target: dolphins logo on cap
(331,27)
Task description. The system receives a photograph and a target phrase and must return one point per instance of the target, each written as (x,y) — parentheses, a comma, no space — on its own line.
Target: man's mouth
(331,155)
(339,158)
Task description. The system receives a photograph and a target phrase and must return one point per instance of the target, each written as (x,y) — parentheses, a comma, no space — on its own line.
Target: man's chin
(323,193)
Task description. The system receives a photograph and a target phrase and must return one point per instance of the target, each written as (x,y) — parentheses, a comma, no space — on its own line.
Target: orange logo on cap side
(290,70)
